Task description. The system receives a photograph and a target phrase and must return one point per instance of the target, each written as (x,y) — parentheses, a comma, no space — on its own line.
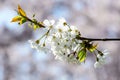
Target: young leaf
(92,48)
(21,11)
(82,55)
(23,20)
(35,27)
(16,19)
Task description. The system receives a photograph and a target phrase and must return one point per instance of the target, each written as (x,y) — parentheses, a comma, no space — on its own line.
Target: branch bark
(98,39)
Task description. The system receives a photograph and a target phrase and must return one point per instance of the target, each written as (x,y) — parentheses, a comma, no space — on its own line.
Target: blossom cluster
(64,41)
(60,39)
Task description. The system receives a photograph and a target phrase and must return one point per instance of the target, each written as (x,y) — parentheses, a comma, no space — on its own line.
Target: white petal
(73,27)
(99,56)
(52,22)
(33,44)
(97,65)
(46,22)
(62,20)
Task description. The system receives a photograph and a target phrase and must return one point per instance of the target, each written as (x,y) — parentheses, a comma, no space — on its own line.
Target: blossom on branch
(64,41)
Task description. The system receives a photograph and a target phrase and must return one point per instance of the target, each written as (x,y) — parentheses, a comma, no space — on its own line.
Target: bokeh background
(94,18)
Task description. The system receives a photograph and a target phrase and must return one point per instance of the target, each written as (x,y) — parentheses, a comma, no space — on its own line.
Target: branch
(98,39)
(33,21)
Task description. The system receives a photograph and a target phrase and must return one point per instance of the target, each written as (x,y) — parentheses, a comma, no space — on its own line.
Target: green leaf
(82,55)
(16,19)
(23,20)
(21,11)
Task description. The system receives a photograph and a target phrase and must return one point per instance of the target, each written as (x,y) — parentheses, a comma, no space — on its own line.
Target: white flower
(62,21)
(76,47)
(60,40)
(103,56)
(38,47)
(74,31)
(42,48)
(106,53)
(33,44)
(101,59)
(48,23)
(63,44)
(61,25)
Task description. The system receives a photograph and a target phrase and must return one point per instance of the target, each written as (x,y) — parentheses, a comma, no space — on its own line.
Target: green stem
(35,22)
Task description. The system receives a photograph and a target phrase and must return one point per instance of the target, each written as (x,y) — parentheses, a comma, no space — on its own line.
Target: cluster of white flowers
(64,41)
(60,39)
(101,59)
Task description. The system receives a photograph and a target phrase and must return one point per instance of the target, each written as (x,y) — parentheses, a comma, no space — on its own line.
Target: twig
(28,19)
(99,39)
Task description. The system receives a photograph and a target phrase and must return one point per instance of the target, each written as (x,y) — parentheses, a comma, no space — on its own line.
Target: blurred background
(94,18)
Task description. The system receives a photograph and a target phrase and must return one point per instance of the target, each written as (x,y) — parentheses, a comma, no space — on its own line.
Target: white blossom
(61,25)
(48,23)
(101,59)
(61,41)
(38,47)
(33,44)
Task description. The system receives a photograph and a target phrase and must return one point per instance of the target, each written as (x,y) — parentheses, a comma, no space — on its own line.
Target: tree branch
(30,20)
(98,39)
